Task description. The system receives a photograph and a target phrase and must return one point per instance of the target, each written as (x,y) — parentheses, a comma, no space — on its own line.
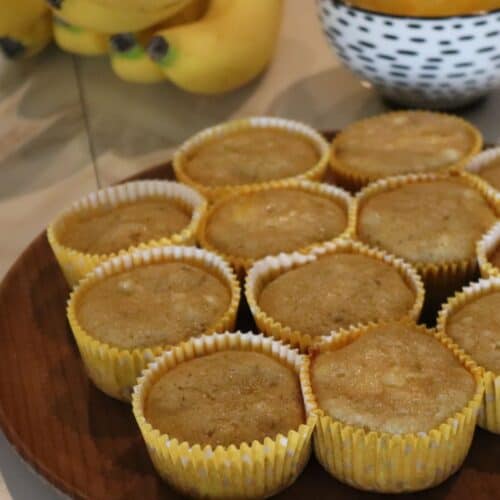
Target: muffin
(397,407)
(220,159)
(302,298)
(402,143)
(134,306)
(282,216)
(433,221)
(246,434)
(124,218)
(472,320)
(488,252)
(486,168)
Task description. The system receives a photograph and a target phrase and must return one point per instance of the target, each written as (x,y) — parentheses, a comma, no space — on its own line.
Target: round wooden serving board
(87,444)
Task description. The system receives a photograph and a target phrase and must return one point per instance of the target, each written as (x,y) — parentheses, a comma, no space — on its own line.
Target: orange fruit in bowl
(426,8)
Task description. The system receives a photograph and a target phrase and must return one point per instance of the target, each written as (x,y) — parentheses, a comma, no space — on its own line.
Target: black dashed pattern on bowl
(436,63)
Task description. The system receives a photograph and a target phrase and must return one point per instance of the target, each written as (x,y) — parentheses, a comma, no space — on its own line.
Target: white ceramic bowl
(434,63)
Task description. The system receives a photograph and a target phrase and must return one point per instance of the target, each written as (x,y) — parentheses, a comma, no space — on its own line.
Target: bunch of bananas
(25,27)
(203,46)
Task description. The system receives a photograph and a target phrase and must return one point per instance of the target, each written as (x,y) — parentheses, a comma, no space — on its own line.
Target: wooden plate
(87,444)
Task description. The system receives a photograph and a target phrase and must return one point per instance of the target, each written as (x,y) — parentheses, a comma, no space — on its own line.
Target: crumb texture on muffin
(226,398)
(405,142)
(491,173)
(337,291)
(111,229)
(251,156)
(268,222)
(426,222)
(392,379)
(475,327)
(153,305)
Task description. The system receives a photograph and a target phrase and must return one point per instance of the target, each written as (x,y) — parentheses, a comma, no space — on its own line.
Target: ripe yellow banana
(228,47)
(27,40)
(130,60)
(78,40)
(115,16)
(17,15)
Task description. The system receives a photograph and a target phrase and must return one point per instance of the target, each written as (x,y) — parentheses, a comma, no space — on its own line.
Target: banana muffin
(251,156)
(337,291)
(225,398)
(393,378)
(158,304)
(282,218)
(475,327)
(401,143)
(109,229)
(426,220)
(491,173)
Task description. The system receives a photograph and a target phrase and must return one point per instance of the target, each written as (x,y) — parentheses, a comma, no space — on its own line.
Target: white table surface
(56,109)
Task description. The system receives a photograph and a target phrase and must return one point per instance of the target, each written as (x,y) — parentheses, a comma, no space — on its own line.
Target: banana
(79,40)
(131,62)
(129,59)
(17,15)
(225,49)
(115,16)
(28,40)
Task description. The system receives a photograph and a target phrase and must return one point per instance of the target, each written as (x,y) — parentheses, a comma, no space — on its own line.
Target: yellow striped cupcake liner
(114,370)
(440,278)
(315,173)
(489,415)
(75,264)
(485,247)
(354,181)
(333,193)
(480,162)
(395,463)
(269,268)
(241,470)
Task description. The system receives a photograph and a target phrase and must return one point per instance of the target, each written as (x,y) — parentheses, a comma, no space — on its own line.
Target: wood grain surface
(87,444)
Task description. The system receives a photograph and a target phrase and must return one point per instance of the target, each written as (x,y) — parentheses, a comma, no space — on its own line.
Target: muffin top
(337,291)
(491,173)
(494,257)
(253,225)
(402,143)
(426,221)
(158,304)
(475,327)
(226,398)
(251,156)
(111,229)
(393,379)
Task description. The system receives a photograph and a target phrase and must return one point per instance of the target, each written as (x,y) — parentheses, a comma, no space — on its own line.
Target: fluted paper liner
(489,415)
(269,268)
(485,246)
(440,278)
(477,164)
(395,463)
(75,264)
(241,470)
(114,370)
(354,181)
(333,193)
(315,173)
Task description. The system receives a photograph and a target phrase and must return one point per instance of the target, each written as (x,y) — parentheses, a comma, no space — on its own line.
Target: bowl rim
(483,13)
